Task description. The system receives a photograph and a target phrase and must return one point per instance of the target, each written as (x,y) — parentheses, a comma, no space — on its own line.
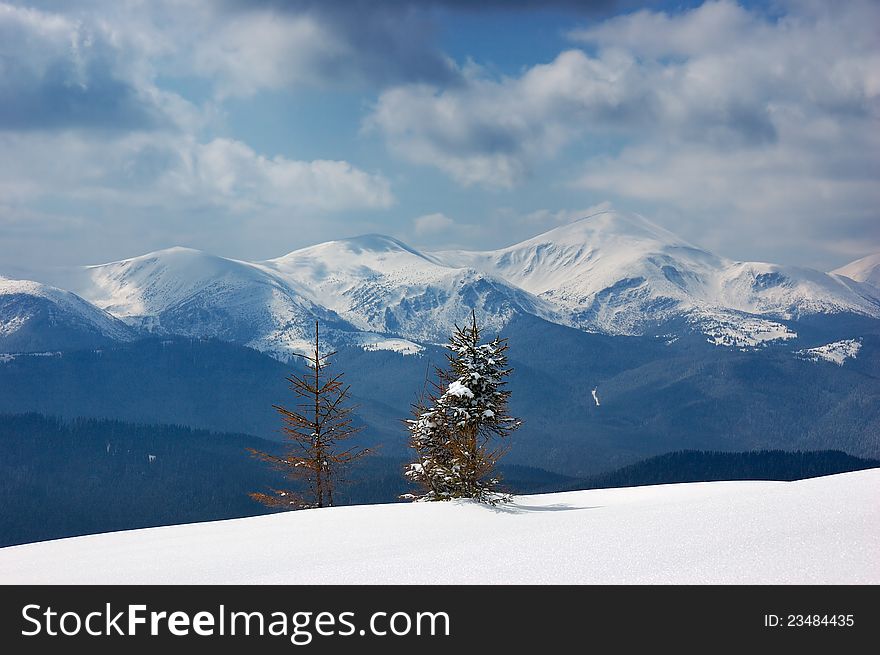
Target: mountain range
(626,342)
(609,273)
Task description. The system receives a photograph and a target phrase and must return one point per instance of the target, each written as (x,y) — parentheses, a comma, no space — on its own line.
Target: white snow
(837,352)
(744,332)
(373,342)
(818,531)
(866,269)
(456,388)
(12,324)
(374,291)
(380,284)
(188,292)
(65,307)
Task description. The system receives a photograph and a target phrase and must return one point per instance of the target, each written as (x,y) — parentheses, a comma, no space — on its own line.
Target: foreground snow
(824,530)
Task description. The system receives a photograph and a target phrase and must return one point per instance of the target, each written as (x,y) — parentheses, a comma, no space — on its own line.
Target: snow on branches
(457,429)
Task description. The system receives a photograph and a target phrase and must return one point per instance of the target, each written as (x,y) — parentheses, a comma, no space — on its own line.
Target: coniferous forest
(64,478)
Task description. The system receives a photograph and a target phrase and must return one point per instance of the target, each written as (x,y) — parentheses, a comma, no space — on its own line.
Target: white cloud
(808,87)
(551,218)
(490,132)
(714,27)
(718,110)
(180,174)
(96,155)
(265,50)
(231,174)
(59,72)
(432,224)
(786,198)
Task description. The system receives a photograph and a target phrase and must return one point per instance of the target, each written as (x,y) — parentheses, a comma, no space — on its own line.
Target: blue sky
(250,129)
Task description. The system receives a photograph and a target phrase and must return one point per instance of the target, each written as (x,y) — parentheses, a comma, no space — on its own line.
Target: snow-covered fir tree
(457,431)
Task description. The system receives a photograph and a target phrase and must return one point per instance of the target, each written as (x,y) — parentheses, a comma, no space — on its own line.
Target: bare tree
(315,431)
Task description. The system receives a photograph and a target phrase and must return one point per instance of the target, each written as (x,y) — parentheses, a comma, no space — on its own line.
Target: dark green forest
(61,478)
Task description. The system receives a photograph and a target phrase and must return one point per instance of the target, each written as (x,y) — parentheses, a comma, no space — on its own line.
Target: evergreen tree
(314,432)
(431,437)
(456,431)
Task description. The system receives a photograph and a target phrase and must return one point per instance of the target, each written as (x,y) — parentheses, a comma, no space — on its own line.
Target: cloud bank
(746,119)
(750,129)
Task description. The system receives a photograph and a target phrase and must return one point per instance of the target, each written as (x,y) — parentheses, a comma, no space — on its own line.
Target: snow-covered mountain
(35,317)
(187,292)
(866,269)
(372,291)
(382,285)
(621,274)
(611,272)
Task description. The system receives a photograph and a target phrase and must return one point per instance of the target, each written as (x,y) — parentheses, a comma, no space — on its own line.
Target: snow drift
(822,530)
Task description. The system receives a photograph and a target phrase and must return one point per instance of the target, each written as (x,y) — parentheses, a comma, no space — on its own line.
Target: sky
(252,128)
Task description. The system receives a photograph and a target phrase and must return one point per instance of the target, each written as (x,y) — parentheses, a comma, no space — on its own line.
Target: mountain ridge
(36,316)
(609,272)
(866,269)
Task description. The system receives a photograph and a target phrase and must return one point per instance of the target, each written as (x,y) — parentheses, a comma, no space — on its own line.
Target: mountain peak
(609,250)
(10,286)
(36,316)
(172,253)
(143,284)
(608,225)
(377,243)
(341,251)
(866,269)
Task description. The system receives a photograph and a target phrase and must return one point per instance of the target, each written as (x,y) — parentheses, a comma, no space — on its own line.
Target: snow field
(818,531)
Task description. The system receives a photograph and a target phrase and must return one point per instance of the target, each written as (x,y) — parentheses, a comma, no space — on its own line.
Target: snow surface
(742,332)
(380,284)
(866,269)
(817,531)
(66,307)
(837,352)
(373,342)
(182,291)
(456,388)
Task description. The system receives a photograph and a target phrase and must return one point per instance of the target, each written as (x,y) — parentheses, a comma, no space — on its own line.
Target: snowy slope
(36,317)
(362,290)
(836,353)
(382,285)
(823,530)
(609,272)
(192,293)
(621,274)
(866,269)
